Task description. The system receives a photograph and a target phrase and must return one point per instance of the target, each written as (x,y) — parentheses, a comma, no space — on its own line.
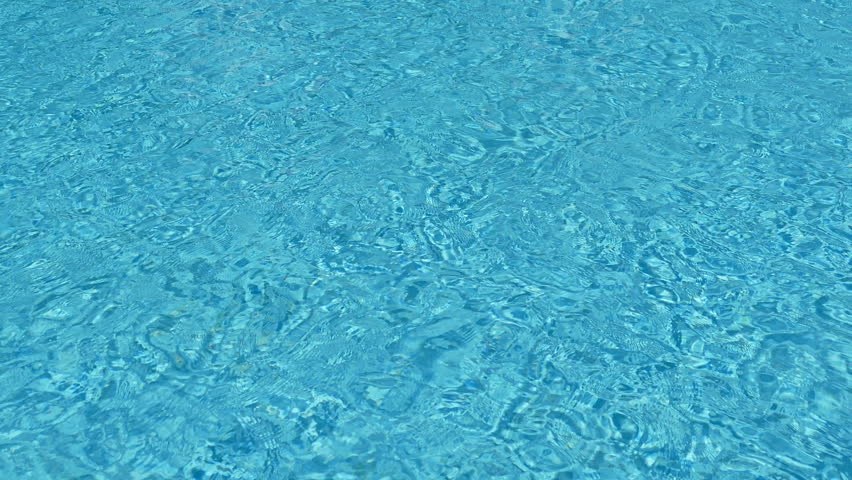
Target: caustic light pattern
(375,239)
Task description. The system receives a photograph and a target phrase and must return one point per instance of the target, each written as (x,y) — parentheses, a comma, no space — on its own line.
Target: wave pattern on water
(415,239)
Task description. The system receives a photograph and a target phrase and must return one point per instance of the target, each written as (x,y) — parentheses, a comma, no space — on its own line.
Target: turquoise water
(450,239)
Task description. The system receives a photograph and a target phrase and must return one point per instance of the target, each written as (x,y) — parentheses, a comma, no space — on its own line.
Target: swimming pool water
(374,239)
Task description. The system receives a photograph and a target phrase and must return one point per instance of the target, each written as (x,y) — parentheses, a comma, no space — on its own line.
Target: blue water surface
(421,239)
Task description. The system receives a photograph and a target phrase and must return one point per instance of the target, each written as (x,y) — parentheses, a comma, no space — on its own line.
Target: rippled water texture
(458,239)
